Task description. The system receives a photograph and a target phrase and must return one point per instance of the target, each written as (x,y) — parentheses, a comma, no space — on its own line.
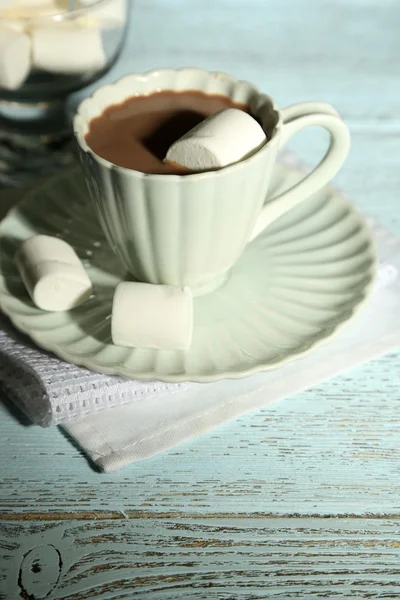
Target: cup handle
(296,118)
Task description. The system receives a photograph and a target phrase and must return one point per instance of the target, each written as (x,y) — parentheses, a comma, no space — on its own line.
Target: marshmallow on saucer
(152,316)
(15,58)
(52,273)
(68,49)
(220,140)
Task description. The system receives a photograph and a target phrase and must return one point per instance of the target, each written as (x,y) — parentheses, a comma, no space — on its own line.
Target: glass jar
(47,52)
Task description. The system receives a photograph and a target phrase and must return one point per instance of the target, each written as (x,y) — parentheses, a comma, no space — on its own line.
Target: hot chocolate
(137,133)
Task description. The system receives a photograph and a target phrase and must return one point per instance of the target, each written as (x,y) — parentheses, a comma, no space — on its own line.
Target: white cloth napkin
(50,391)
(143,419)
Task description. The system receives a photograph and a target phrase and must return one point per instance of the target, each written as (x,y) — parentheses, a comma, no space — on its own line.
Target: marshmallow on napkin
(145,315)
(220,140)
(15,58)
(52,273)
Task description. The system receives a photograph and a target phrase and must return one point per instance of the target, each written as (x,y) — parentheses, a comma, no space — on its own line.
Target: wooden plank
(343,52)
(370,176)
(332,450)
(339,51)
(206,520)
(222,558)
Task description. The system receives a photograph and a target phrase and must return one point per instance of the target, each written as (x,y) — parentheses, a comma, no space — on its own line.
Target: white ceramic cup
(190,230)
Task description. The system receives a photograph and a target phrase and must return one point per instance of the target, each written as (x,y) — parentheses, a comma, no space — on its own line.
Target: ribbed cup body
(170,229)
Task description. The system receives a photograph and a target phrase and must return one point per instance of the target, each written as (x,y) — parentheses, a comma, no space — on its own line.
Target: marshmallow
(26,9)
(224,138)
(152,316)
(52,273)
(109,16)
(16,14)
(68,49)
(15,58)
(17,25)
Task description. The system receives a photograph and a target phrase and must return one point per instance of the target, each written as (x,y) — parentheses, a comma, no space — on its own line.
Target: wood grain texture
(331,450)
(220,558)
(299,500)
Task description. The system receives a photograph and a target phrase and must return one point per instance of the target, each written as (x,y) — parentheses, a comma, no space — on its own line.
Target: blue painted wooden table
(299,500)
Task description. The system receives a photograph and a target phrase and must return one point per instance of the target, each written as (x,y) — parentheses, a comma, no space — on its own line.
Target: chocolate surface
(137,133)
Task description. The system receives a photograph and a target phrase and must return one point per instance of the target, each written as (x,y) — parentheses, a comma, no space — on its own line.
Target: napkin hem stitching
(168,429)
(185,423)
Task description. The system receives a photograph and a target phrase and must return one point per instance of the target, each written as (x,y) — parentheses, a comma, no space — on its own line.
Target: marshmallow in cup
(207,218)
(220,140)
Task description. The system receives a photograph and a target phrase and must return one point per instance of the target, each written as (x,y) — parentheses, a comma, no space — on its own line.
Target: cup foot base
(212,285)
(199,290)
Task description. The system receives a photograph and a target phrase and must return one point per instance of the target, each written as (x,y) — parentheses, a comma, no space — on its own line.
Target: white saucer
(292,289)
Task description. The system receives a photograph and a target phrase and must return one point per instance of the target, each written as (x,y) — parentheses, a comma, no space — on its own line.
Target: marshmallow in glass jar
(48,50)
(47,37)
